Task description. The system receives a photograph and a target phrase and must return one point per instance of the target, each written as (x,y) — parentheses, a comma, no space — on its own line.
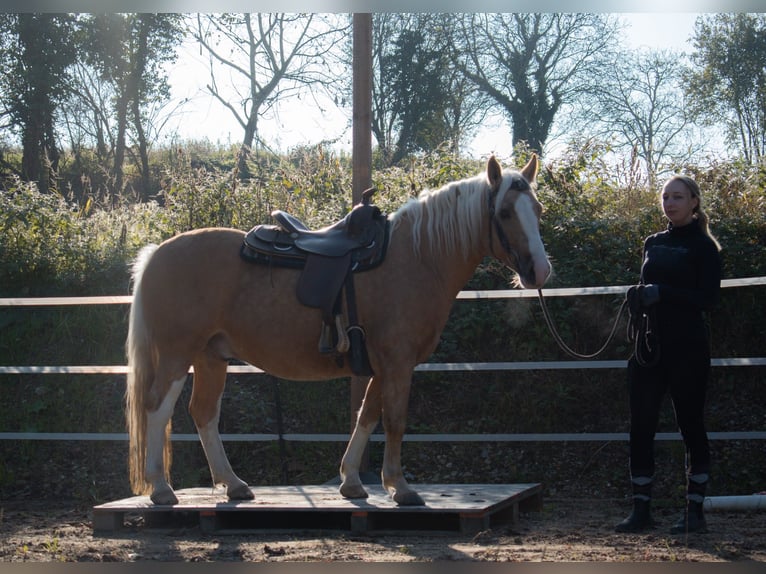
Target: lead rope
(560,341)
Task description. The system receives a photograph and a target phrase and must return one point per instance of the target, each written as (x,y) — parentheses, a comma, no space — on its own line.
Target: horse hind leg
(158,445)
(205,409)
(368,417)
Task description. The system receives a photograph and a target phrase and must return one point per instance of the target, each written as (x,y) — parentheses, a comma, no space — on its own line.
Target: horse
(197,303)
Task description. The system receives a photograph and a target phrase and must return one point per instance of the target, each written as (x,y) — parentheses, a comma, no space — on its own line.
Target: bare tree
(87,117)
(465,107)
(640,106)
(534,64)
(265,58)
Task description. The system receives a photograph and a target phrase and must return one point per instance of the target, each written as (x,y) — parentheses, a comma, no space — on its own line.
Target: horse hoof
(410,498)
(242,492)
(164,497)
(353,491)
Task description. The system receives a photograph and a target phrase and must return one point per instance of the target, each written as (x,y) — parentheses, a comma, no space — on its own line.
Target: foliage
(130,52)
(35,54)
(52,246)
(419,96)
(728,81)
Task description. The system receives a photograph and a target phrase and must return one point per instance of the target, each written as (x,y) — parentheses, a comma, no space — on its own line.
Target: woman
(680,281)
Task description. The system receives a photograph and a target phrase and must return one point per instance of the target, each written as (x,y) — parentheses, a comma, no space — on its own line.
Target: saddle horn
(367,195)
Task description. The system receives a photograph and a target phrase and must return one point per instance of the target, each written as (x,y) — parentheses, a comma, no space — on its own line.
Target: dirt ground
(571,530)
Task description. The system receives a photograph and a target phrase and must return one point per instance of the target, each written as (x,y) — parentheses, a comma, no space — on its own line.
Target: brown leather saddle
(329,258)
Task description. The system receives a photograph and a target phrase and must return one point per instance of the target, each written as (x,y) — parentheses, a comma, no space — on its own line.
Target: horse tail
(138,349)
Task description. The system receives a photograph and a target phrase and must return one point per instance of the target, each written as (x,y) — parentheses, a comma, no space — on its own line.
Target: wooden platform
(465,508)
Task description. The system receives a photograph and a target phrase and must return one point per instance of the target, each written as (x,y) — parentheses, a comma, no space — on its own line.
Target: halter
(516,184)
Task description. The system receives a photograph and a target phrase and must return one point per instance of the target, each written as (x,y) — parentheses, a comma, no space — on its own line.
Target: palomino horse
(196,302)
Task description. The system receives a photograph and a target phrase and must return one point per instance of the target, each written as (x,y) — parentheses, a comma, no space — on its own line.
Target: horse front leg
(396,396)
(367,419)
(205,409)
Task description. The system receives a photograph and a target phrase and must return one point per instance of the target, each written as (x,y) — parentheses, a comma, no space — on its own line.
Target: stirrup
(326,338)
(343,342)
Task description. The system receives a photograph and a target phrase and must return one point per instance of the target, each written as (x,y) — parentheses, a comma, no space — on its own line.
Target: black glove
(633,301)
(650,295)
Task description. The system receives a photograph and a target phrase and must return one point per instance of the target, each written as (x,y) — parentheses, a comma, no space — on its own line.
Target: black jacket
(684,262)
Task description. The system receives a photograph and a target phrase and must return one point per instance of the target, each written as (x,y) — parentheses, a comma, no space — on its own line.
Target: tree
(384,120)
(420,99)
(268,56)
(727,83)
(36,53)
(534,64)
(466,108)
(130,51)
(641,106)
(414,74)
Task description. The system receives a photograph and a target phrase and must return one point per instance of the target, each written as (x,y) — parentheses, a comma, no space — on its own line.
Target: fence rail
(427,367)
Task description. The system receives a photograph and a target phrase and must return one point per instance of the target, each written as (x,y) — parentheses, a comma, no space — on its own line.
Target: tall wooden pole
(361,154)
(362,105)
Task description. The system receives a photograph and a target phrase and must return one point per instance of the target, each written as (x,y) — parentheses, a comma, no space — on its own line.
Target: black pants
(683,369)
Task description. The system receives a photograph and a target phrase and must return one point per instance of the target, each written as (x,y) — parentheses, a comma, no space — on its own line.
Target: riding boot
(693,518)
(640,518)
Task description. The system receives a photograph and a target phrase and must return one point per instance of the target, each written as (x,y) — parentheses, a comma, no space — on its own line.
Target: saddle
(329,258)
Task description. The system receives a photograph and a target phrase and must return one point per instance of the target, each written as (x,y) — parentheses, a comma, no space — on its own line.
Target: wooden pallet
(465,508)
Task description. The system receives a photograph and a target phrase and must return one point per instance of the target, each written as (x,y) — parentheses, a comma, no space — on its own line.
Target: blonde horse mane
(449,217)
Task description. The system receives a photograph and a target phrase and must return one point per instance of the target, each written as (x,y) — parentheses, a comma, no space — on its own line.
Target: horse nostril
(529,270)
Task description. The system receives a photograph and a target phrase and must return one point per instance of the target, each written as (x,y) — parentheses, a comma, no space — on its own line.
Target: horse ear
(494,172)
(530,170)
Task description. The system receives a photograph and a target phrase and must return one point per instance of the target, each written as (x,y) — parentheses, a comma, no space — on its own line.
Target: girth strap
(359,361)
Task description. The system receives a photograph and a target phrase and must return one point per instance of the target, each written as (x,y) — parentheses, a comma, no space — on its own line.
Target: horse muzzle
(533,273)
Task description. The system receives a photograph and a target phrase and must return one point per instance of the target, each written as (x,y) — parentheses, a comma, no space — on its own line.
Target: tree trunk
(137,72)
(143,151)
(119,144)
(251,129)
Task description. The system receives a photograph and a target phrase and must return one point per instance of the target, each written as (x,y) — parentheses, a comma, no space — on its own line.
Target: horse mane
(448,218)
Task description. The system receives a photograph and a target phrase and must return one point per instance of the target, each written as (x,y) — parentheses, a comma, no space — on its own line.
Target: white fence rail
(427,367)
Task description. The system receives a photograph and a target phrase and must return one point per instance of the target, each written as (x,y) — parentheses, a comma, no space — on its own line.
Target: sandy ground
(564,530)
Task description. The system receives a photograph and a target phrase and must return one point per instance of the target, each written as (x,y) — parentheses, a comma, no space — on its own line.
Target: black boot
(641,517)
(693,519)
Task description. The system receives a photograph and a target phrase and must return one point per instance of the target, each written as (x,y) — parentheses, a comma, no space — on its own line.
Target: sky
(301,123)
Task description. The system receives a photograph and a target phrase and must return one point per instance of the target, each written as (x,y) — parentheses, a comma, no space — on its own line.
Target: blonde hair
(699,213)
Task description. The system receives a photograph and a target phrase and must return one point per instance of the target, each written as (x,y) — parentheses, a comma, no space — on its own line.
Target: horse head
(514,222)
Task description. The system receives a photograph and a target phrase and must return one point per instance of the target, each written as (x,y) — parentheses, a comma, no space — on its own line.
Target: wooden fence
(428,367)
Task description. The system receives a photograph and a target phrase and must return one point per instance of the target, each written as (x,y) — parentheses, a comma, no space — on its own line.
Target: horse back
(199,296)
